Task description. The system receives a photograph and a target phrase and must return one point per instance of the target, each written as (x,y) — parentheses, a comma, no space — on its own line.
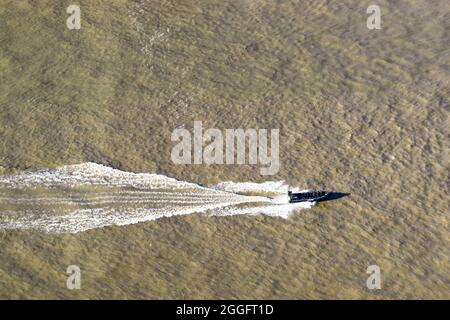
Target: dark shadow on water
(334,196)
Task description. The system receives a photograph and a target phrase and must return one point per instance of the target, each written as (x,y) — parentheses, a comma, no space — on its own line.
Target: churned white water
(115,197)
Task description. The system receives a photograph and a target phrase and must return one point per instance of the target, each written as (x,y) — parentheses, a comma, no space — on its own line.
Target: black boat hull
(307,196)
(315,196)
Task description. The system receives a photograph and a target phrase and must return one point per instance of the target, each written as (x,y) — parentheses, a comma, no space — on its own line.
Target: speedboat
(310,196)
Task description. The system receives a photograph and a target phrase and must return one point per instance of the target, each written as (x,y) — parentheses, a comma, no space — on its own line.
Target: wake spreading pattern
(80,197)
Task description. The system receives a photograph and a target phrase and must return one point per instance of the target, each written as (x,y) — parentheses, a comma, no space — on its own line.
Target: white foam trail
(93,174)
(52,201)
(253,187)
(273,210)
(272,187)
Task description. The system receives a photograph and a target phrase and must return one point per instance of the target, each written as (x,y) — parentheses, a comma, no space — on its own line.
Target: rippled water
(359,111)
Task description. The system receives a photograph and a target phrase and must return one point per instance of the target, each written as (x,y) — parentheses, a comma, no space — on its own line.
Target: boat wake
(80,197)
